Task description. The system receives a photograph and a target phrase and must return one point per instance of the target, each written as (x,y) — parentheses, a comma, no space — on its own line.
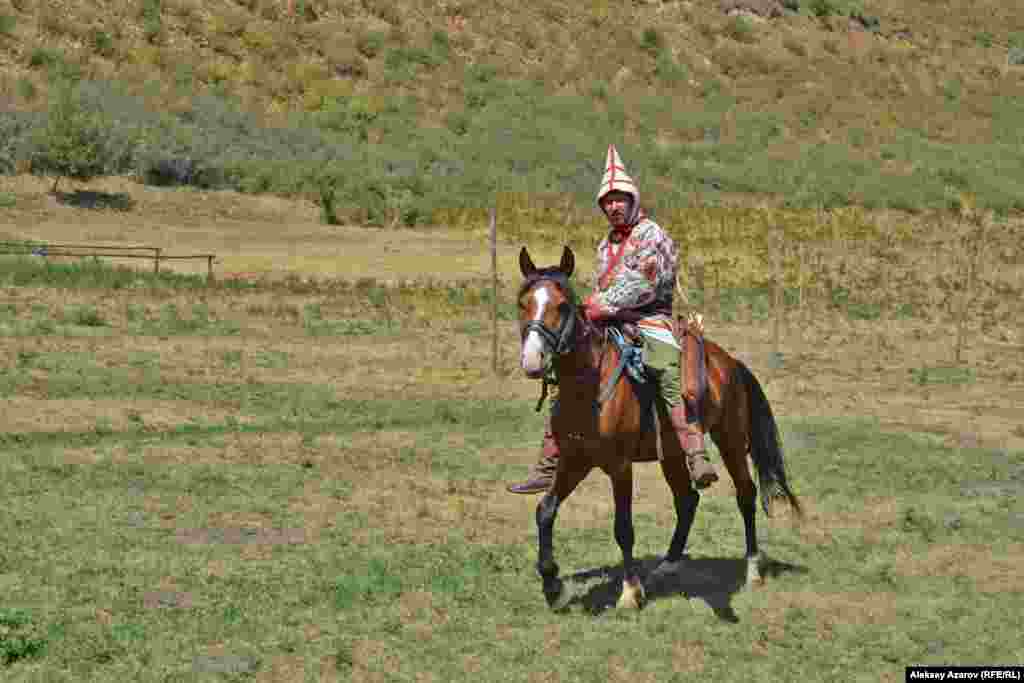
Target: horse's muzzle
(534,374)
(533,363)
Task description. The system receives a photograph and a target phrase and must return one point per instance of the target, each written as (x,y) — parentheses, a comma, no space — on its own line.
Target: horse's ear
(568,263)
(526,266)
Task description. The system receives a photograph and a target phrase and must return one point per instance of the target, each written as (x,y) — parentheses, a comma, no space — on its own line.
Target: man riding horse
(635,278)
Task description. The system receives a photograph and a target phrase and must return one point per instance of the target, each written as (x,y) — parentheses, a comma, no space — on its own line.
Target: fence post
(494,291)
(777,305)
(156,260)
(697,266)
(209,267)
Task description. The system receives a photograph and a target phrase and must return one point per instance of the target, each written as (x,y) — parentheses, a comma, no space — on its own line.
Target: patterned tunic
(635,279)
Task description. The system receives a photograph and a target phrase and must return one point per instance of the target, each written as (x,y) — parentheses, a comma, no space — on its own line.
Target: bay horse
(600,422)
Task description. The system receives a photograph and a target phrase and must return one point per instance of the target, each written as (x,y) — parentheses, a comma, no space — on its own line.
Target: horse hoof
(557,596)
(754,577)
(633,595)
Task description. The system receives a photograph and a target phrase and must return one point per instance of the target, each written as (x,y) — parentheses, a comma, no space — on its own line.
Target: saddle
(689,334)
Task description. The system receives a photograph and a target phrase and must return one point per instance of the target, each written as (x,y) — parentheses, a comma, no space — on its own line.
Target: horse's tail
(765,445)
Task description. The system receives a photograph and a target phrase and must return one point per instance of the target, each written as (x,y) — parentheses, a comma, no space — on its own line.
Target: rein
(562,342)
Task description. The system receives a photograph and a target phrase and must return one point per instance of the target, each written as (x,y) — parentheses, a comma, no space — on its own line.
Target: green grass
(353,591)
(26,271)
(453,594)
(941,375)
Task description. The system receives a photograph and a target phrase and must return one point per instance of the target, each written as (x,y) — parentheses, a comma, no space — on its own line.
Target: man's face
(616,206)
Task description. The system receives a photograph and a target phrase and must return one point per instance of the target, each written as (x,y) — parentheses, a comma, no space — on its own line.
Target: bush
(7,24)
(984,39)
(26,89)
(441,45)
(457,122)
(667,69)
(348,115)
(405,57)
(15,138)
(152,23)
(651,40)
(740,29)
(870,23)
(370,44)
(102,43)
(47,57)
(169,172)
(822,8)
(328,192)
(73,143)
(20,637)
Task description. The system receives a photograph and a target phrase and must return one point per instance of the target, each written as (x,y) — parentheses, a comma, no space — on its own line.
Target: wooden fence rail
(154,254)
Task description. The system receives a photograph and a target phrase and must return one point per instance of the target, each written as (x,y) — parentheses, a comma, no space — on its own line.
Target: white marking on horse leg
(754,577)
(633,596)
(532,360)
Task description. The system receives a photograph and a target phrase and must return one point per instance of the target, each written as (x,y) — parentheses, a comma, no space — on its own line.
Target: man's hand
(593,311)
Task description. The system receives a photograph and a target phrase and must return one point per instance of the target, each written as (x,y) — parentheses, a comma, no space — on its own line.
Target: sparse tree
(72,144)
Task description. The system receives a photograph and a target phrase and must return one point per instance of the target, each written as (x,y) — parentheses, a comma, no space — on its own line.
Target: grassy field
(296,472)
(301,479)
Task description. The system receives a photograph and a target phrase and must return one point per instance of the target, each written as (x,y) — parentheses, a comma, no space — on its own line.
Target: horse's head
(547,312)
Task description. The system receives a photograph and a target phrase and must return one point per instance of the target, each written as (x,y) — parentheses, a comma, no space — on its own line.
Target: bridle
(560,342)
(563,341)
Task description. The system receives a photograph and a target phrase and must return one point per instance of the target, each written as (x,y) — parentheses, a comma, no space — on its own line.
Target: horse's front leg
(567,478)
(622,488)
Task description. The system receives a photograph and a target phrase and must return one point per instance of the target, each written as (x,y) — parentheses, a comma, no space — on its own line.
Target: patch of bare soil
(992,570)
(79,415)
(260,235)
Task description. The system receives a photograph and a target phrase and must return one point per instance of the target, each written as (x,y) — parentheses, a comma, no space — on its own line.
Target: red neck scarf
(619,236)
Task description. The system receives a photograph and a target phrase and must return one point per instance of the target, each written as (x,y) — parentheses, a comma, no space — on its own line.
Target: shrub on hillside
(651,40)
(152,21)
(73,142)
(7,24)
(740,29)
(371,43)
(823,8)
(15,138)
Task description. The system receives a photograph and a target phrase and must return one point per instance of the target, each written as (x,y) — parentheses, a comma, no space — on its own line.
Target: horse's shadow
(714,580)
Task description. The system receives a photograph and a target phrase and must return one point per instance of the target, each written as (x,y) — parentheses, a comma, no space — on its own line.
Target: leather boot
(543,473)
(691,438)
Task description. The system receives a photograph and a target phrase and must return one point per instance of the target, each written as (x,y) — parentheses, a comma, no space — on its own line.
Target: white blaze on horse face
(532,360)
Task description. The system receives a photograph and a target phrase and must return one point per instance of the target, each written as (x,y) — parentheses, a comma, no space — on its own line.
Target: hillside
(414,107)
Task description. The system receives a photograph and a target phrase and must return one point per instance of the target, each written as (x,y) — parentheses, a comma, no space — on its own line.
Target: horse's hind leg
(732,444)
(567,478)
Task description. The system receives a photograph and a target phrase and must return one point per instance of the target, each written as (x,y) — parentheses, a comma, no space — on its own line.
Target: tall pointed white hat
(616,178)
